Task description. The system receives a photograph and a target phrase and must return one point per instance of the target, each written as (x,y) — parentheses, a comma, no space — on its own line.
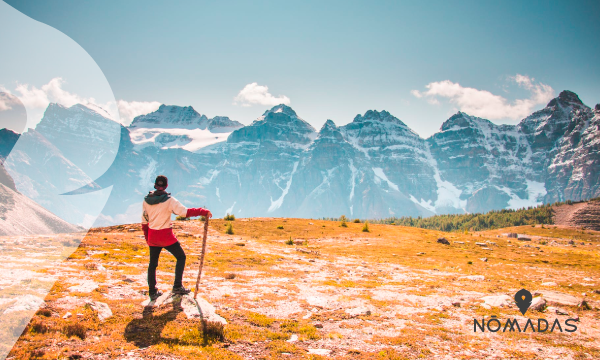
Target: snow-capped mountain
(20,215)
(172,127)
(373,167)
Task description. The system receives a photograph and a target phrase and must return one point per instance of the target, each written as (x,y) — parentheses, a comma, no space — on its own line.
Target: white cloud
(128,110)
(32,97)
(36,100)
(254,94)
(7,100)
(483,103)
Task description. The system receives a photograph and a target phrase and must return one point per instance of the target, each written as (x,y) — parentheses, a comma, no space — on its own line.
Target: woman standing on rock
(156,223)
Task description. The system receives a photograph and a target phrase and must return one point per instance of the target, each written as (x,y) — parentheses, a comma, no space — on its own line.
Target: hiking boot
(155,296)
(180,290)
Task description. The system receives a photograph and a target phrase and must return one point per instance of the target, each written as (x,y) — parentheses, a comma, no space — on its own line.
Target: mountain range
(280,166)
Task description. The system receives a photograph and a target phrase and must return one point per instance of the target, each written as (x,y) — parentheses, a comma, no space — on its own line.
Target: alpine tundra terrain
(280,166)
(301,288)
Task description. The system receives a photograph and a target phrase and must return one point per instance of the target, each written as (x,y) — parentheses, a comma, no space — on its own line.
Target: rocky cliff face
(373,167)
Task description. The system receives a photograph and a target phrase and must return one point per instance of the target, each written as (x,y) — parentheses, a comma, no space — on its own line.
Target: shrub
(213,330)
(44,312)
(182,218)
(260,320)
(37,353)
(229,217)
(470,262)
(229,230)
(75,329)
(366,227)
(344,223)
(90,266)
(39,327)
(280,227)
(290,241)
(357,221)
(230,276)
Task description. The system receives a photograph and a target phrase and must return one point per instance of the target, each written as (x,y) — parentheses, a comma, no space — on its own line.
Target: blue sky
(335,59)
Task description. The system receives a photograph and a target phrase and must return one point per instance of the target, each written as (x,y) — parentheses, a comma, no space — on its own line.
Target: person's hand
(209,215)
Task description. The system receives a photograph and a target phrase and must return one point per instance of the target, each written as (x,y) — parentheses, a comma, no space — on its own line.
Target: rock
(523,238)
(70,302)
(537,304)
(200,309)
(158,302)
(474,277)
(456,303)
(571,242)
(25,303)
(583,305)
(420,253)
(555,297)
(483,259)
(322,352)
(358,311)
(497,300)
(512,235)
(67,315)
(557,311)
(443,241)
(132,230)
(480,244)
(101,309)
(85,287)
(293,338)
(549,283)
(318,325)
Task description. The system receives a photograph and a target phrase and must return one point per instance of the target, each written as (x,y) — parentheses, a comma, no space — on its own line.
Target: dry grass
(344,263)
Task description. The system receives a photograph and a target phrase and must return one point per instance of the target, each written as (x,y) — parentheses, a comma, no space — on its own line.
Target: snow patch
(352,179)
(536,192)
(230,210)
(379,173)
(198,138)
(426,204)
(277,203)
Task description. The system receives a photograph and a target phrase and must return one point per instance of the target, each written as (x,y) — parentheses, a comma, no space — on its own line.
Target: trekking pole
(202,255)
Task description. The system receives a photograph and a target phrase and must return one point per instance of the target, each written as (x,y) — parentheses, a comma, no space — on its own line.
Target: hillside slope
(583,215)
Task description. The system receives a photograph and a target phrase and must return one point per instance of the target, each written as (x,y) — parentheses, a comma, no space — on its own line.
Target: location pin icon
(523,300)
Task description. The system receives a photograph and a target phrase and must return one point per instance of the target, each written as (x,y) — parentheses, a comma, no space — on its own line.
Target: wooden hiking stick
(202,255)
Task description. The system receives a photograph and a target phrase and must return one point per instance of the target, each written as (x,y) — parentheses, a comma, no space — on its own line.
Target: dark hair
(161,182)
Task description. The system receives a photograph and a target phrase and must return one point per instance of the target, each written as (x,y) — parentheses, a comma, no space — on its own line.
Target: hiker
(156,223)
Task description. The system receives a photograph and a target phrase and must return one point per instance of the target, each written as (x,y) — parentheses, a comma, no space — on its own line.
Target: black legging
(176,251)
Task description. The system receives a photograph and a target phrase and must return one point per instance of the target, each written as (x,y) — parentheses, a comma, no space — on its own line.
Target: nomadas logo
(523,300)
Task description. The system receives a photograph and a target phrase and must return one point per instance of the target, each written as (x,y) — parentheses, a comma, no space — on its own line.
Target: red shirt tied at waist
(156,218)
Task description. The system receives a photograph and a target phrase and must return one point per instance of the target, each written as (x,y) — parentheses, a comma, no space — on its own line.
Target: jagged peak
(87,108)
(464,120)
(379,116)
(172,114)
(566,97)
(328,126)
(281,108)
(175,108)
(597,107)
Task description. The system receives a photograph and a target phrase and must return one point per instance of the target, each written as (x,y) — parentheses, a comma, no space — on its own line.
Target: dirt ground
(299,288)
